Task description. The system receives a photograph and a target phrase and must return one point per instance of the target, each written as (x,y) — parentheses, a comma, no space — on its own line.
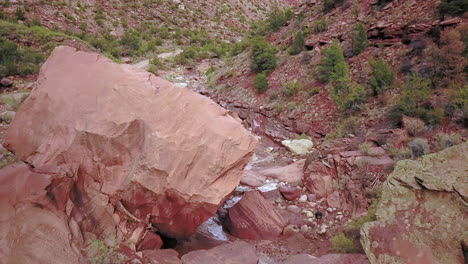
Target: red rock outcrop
(422,200)
(341,177)
(254,217)
(115,154)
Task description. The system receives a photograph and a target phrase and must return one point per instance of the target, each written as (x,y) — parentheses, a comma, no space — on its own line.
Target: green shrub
(320,25)
(444,140)
(349,95)
(261,82)
(416,92)
(365,147)
(291,88)
(382,77)
(20,15)
(332,56)
(263,55)
(453,7)
(278,18)
(457,107)
(359,39)
(331,4)
(398,153)
(340,243)
(351,125)
(419,147)
(415,127)
(131,41)
(298,45)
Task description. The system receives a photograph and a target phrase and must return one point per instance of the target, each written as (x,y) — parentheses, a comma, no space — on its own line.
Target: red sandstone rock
(164,256)
(31,230)
(150,242)
(254,217)
(292,173)
(126,136)
(318,179)
(290,193)
(233,253)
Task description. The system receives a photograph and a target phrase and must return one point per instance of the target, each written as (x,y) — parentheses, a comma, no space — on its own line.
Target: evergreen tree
(331,57)
(261,82)
(360,40)
(382,76)
(263,55)
(298,45)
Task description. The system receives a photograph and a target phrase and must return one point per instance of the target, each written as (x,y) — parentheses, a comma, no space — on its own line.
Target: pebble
(303,198)
(322,230)
(329,210)
(293,209)
(339,217)
(304,228)
(290,229)
(309,214)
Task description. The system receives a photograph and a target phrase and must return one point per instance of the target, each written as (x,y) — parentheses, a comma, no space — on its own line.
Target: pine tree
(360,40)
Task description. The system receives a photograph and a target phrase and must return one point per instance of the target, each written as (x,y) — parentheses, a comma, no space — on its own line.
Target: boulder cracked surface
(122,144)
(422,217)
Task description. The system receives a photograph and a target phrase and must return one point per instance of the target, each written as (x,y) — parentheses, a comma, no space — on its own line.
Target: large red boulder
(254,217)
(124,145)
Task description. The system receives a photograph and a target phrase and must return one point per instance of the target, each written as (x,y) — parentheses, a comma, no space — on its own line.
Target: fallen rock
(150,242)
(238,252)
(13,100)
(290,193)
(129,141)
(6,82)
(7,116)
(254,218)
(292,173)
(298,146)
(422,200)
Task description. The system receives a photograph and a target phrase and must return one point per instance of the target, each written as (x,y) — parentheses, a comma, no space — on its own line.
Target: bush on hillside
(444,140)
(261,82)
(359,39)
(382,77)
(298,45)
(320,25)
(447,62)
(131,41)
(419,147)
(263,55)
(457,108)
(278,18)
(328,5)
(332,56)
(414,101)
(453,7)
(415,126)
